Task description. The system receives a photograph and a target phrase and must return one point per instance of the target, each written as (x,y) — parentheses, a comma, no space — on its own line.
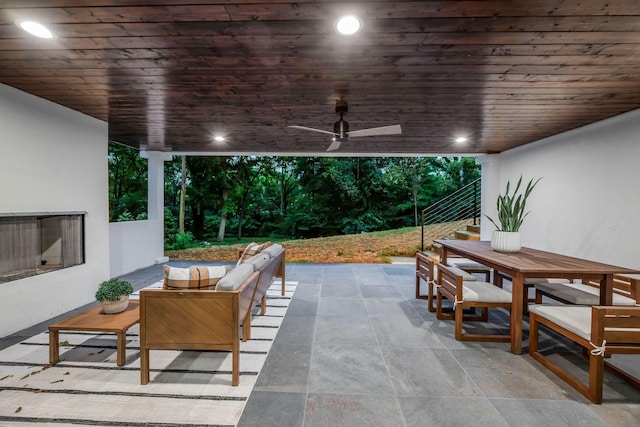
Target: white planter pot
(113,307)
(505,241)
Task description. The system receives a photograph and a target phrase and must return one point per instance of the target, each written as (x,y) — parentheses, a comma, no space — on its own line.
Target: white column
(155,195)
(490,188)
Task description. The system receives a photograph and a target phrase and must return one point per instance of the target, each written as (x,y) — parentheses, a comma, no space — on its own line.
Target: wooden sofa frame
(274,268)
(196,320)
(604,341)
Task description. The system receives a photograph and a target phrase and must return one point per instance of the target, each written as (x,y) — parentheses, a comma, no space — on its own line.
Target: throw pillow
(251,250)
(210,275)
(195,277)
(180,278)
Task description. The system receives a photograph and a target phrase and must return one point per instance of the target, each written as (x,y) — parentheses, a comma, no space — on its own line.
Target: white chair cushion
(484,292)
(577,293)
(536,280)
(470,266)
(466,277)
(574,318)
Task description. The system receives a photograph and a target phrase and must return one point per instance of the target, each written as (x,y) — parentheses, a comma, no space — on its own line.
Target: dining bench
(600,330)
(625,291)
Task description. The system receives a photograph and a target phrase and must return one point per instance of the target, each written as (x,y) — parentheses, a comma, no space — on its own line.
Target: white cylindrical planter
(505,241)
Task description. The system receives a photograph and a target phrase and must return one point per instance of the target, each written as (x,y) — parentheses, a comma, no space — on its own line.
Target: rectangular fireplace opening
(37,243)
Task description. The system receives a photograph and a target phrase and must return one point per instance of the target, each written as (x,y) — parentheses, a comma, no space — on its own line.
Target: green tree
(127,183)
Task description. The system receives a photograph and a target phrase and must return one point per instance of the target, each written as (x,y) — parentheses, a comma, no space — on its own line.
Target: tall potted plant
(511,214)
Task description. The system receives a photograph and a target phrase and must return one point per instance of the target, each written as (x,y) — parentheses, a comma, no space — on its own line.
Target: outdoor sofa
(206,316)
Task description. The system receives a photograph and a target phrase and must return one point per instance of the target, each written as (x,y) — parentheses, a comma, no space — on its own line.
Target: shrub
(113,289)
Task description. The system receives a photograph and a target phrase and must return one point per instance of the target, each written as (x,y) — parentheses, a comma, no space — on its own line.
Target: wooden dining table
(536,264)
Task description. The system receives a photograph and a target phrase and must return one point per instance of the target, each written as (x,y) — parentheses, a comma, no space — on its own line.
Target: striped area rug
(187,388)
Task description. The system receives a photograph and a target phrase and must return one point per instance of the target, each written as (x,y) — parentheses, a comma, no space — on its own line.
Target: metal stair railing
(442,217)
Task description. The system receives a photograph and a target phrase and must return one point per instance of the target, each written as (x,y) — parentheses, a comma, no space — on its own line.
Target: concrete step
(473,228)
(432,254)
(467,235)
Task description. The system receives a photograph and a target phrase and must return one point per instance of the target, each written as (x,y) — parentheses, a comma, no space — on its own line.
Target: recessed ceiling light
(348,24)
(36,29)
(461,139)
(218,138)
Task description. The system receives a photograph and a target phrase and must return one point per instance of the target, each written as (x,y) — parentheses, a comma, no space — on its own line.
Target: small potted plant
(114,295)
(511,214)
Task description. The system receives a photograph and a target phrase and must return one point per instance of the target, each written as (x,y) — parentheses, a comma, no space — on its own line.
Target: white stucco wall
(138,244)
(588,201)
(52,159)
(134,245)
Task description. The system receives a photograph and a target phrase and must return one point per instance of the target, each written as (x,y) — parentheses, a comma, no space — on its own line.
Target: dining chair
(466,294)
(426,270)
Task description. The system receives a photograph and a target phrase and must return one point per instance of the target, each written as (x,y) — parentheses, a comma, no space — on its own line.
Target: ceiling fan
(341,131)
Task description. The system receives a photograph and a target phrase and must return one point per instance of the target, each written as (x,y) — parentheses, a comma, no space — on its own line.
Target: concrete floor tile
(436,411)
(324,410)
(348,369)
(427,372)
(556,413)
(266,408)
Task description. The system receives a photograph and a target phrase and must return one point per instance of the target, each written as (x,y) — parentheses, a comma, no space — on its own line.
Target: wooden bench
(600,330)
(625,292)
(527,284)
(469,294)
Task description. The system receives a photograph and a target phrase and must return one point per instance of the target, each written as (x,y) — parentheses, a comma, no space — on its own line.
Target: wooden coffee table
(93,320)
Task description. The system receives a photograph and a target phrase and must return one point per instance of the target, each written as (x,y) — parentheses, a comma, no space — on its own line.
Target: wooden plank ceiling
(168,75)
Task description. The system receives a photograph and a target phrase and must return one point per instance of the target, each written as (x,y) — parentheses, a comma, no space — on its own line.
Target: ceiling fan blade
(334,145)
(383,130)
(312,129)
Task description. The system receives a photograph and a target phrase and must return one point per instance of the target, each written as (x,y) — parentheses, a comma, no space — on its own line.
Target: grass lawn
(372,248)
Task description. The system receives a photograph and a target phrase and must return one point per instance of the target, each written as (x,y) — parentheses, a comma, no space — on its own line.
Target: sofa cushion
(259,260)
(251,250)
(236,277)
(195,277)
(274,250)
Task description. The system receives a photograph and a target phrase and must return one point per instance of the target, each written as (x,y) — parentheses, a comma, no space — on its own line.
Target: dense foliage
(296,197)
(113,289)
(127,184)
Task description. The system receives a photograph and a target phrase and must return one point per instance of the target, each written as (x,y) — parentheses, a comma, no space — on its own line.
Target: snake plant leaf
(511,206)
